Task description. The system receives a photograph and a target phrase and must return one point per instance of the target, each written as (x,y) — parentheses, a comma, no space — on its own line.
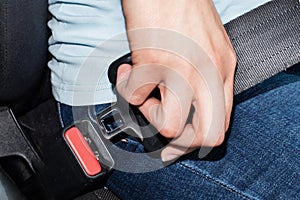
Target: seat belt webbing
(266,41)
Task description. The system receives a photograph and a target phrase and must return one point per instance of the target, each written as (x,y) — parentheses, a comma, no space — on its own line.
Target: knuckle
(213,141)
(169,132)
(219,141)
(145,57)
(171,128)
(232,57)
(122,93)
(135,100)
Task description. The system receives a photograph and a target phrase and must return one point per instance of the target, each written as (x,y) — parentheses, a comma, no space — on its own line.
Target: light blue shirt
(87,35)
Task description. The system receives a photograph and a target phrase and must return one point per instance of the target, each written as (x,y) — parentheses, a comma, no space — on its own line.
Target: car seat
(28,116)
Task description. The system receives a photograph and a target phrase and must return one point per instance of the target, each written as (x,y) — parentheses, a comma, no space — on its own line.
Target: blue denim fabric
(261,154)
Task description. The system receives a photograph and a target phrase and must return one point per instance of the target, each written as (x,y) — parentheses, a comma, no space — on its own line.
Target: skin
(199,21)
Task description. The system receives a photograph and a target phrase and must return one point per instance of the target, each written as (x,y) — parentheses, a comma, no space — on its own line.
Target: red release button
(82,151)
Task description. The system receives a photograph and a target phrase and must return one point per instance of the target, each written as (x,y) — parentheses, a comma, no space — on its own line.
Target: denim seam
(217,182)
(266,21)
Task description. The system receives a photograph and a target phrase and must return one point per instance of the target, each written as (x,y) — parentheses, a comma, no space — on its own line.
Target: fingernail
(169,157)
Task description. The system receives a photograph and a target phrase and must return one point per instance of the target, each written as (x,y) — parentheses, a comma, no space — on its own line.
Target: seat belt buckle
(90,140)
(88,146)
(127,116)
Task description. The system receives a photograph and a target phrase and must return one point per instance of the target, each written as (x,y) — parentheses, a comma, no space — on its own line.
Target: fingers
(168,115)
(205,130)
(136,84)
(211,97)
(229,87)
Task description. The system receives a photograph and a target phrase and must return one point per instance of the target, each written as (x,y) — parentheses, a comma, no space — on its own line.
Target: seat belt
(266,41)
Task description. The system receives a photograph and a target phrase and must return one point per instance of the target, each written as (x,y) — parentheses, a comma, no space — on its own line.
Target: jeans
(258,160)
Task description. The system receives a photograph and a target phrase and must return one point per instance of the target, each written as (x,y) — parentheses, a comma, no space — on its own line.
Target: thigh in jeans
(259,159)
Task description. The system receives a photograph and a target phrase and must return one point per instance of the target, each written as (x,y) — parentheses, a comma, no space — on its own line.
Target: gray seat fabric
(23,51)
(24,75)
(24,56)
(8,190)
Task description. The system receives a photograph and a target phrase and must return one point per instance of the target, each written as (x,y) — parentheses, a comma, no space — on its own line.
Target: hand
(180,78)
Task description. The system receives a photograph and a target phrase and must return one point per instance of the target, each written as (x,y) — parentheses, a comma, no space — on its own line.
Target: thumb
(135,84)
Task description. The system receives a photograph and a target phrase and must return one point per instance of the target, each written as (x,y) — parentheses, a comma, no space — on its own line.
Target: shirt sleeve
(87,35)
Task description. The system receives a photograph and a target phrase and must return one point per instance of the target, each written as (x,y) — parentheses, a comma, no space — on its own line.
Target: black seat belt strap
(266,41)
